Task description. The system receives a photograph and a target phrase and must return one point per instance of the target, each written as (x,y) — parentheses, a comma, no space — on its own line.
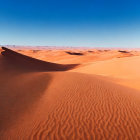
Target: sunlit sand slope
(67,106)
(125,71)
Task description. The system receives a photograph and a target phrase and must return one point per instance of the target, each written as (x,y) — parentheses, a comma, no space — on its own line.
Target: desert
(69,93)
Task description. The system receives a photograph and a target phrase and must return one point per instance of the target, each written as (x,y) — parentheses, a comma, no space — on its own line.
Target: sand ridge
(33,63)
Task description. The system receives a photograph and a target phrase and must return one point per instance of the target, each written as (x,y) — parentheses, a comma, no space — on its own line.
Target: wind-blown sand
(69,96)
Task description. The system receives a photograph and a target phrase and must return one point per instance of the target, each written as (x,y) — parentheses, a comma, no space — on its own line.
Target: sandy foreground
(69,94)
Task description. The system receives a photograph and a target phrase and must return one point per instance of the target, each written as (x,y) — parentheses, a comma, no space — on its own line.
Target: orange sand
(61,96)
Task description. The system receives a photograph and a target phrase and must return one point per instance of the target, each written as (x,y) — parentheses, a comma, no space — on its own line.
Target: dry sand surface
(69,94)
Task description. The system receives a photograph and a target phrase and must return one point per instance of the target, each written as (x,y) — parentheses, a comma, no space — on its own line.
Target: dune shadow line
(26,62)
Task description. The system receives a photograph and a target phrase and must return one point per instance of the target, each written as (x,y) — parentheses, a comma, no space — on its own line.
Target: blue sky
(91,23)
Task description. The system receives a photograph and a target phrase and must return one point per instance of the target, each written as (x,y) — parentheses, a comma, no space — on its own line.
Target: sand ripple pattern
(83,107)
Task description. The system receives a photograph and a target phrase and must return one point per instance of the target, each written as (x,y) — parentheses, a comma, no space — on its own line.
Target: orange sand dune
(64,105)
(120,66)
(26,61)
(61,56)
(125,71)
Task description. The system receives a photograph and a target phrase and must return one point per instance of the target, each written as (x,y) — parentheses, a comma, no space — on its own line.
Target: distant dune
(43,99)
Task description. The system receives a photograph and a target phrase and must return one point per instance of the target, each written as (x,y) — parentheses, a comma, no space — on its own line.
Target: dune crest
(24,61)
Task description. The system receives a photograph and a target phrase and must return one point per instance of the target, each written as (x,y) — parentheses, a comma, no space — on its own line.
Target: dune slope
(125,71)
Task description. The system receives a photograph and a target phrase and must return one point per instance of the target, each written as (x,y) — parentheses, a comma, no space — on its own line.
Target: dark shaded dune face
(19,94)
(123,51)
(74,53)
(28,63)
(20,89)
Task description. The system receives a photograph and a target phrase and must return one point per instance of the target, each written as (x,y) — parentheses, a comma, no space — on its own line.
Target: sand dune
(82,107)
(125,71)
(26,61)
(89,55)
(64,105)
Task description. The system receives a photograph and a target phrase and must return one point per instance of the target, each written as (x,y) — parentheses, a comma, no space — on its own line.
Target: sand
(85,94)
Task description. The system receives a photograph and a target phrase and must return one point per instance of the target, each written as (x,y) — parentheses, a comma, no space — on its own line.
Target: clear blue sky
(92,23)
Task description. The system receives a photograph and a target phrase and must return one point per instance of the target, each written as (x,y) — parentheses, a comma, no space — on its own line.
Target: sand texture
(69,94)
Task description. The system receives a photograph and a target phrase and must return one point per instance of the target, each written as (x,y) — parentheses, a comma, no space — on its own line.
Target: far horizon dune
(69,94)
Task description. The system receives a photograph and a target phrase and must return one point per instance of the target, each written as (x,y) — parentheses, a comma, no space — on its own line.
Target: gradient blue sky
(92,23)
